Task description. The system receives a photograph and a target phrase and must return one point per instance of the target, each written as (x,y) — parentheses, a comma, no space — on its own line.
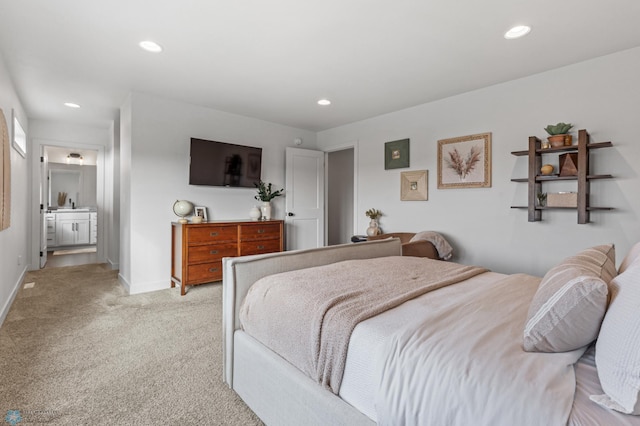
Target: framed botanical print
(465,162)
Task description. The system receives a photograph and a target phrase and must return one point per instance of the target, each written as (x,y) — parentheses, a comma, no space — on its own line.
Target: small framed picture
(396,154)
(413,185)
(202,212)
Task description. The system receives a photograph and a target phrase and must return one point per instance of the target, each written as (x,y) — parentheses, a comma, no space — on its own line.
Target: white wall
(14,240)
(599,95)
(155,142)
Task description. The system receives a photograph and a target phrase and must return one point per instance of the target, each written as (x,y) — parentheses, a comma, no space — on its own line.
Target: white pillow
(633,254)
(618,345)
(567,309)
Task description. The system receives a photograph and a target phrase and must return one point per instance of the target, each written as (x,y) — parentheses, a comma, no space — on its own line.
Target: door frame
(347,145)
(36,223)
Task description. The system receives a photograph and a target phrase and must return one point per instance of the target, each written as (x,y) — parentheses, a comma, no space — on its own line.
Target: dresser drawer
(213,252)
(205,272)
(259,231)
(211,233)
(259,247)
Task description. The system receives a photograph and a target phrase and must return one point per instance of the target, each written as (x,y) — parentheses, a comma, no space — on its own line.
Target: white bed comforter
(463,364)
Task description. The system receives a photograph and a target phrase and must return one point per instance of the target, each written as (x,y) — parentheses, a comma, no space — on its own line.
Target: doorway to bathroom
(69,195)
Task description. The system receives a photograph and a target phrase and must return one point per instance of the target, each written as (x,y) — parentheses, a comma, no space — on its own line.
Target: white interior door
(305,198)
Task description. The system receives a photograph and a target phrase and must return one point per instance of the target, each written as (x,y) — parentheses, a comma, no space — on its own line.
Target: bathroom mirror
(64,188)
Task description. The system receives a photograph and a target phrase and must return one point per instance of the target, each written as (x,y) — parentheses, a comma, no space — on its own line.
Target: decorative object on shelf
(569,164)
(545,144)
(196,219)
(374,227)
(558,134)
(465,162)
(202,212)
(413,185)
(396,154)
(182,209)
(542,199)
(255,213)
(266,194)
(265,209)
(547,169)
(562,199)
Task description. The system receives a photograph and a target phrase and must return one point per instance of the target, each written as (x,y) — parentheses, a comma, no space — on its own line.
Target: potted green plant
(559,134)
(265,191)
(266,194)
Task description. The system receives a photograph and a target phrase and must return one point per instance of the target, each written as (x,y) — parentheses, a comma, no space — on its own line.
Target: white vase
(255,213)
(373,228)
(266,210)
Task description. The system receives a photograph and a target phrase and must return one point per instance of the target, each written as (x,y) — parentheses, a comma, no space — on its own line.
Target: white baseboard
(113,265)
(5,309)
(143,287)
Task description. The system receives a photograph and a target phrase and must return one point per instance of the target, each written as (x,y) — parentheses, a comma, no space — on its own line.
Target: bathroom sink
(70,210)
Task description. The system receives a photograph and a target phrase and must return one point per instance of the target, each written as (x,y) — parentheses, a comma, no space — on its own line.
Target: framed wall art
(465,162)
(396,154)
(5,174)
(413,185)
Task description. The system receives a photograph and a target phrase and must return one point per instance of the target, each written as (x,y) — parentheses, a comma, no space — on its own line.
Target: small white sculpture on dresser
(254,213)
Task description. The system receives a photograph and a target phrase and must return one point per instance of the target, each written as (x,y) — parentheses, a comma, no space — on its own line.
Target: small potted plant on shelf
(542,199)
(374,228)
(559,134)
(266,194)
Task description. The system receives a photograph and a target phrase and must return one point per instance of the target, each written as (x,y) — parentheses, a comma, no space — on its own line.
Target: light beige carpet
(76,350)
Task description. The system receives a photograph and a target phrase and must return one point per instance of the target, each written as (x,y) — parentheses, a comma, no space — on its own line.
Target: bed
(449,349)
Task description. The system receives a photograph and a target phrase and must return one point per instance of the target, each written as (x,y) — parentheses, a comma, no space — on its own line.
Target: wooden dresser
(197,249)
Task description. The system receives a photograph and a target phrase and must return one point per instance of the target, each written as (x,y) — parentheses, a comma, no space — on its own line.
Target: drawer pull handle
(260,247)
(213,252)
(213,269)
(213,234)
(260,231)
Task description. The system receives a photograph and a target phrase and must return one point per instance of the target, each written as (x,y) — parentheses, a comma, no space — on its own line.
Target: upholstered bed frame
(275,390)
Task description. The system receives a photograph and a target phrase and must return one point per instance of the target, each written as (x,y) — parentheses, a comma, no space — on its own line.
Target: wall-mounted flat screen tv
(224,164)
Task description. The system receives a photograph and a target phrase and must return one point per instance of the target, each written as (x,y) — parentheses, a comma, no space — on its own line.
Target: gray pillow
(567,310)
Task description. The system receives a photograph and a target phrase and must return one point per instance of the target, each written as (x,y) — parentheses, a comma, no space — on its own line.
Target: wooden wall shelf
(583,178)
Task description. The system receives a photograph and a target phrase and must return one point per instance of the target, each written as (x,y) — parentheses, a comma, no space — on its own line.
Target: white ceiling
(273,60)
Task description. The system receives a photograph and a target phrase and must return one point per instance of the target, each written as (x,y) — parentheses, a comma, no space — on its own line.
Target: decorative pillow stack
(618,345)
(567,310)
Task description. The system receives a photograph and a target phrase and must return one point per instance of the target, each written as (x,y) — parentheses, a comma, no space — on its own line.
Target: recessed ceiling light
(71,105)
(517,32)
(324,102)
(150,46)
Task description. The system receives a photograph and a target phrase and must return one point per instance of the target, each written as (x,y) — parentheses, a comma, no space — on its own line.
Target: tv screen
(224,164)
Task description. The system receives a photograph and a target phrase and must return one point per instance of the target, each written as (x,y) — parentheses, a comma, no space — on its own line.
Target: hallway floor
(69,259)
